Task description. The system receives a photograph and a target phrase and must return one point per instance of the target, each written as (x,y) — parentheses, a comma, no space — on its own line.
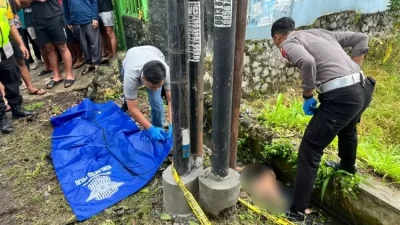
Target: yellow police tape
(273,218)
(190,199)
(203,218)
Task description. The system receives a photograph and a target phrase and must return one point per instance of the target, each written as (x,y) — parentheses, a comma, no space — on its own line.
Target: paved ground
(81,83)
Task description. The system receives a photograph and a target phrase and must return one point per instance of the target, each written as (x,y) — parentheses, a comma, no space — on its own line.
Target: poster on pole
(194,31)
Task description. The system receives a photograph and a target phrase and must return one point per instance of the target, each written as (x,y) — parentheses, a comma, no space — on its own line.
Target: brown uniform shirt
(320,56)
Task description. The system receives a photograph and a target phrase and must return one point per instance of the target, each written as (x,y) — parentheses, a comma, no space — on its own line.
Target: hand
(309,106)
(170,130)
(95,24)
(25,53)
(154,133)
(70,27)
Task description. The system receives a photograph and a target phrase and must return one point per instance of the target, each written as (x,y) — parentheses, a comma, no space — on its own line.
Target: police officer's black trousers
(338,115)
(11,79)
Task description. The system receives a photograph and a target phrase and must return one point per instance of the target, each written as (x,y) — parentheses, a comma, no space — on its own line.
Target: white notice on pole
(194,31)
(222,13)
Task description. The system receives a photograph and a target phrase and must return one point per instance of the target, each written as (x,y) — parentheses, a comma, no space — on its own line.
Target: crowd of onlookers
(75,33)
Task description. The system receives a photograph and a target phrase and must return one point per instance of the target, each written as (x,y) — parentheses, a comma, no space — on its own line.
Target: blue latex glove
(155,134)
(309,106)
(170,130)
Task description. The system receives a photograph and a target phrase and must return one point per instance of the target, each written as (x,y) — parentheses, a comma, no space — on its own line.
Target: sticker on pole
(186,143)
(222,13)
(194,31)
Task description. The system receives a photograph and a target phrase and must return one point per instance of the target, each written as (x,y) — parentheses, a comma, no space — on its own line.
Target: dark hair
(283,26)
(251,173)
(154,71)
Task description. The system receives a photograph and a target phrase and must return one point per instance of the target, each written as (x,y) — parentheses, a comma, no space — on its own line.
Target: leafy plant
(394,10)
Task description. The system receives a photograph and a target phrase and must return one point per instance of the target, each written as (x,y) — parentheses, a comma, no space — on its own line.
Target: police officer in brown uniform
(344,94)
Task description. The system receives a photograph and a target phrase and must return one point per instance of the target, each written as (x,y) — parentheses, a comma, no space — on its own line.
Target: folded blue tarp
(101,157)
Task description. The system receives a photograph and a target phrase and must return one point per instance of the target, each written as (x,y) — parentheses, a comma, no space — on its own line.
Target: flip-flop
(53,83)
(44,72)
(105,60)
(38,92)
(79,65)
(68,83)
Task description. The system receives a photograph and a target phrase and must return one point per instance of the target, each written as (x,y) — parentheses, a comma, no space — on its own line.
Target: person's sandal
(53,83)
(44,72)
(87,70)
(38,92)
(96,70)
(78,65)
(68,83)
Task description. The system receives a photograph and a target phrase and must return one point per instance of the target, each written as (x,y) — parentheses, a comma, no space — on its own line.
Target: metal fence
(131,8)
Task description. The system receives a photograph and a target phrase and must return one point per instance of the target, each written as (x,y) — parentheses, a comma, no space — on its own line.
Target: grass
(379,130)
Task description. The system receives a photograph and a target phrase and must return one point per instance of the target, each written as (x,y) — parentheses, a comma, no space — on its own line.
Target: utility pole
(219,186)
(179,84)
(224,46)
(241,22)
(196,72)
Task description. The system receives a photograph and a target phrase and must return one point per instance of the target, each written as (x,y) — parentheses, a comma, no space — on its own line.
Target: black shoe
(338,166)
(294,216)
(18,112)
(5,126)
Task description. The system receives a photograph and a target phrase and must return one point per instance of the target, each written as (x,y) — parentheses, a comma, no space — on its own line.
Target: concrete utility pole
(219,186)
(241,22)
(184,41)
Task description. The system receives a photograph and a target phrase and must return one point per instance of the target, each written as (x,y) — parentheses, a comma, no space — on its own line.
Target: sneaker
(338,166)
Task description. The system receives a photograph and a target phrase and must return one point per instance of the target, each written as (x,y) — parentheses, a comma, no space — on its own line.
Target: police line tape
(272,218)
(203,218)
(190,199)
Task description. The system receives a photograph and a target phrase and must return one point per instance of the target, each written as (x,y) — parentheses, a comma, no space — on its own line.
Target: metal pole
(196,54)
(241,22)
(179,84)
(224,45)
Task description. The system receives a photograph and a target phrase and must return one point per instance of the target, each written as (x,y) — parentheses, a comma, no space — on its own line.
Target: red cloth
(60,1)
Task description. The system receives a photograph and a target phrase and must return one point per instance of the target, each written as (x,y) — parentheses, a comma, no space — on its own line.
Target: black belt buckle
(362,80)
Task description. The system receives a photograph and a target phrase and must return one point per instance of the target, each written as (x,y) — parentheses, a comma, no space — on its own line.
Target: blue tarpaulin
(101,157)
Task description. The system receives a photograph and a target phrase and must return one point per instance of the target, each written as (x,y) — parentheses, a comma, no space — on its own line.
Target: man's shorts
(51,31)
(32,32)
(107,18)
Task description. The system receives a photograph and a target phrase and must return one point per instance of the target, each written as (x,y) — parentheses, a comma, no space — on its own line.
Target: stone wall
(266,70)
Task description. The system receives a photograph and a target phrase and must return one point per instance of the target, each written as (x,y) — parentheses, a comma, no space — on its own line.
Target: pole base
(173,199)
(217,194)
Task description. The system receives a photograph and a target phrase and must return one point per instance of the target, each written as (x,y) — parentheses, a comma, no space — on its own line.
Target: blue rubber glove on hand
(170,130)
(309,106)
(155,134)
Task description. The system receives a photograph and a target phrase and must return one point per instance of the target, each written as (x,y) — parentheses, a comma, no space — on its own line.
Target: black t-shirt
(45,10)
(105,5)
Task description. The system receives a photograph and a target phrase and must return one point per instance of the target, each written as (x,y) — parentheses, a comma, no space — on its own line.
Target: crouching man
(145,66)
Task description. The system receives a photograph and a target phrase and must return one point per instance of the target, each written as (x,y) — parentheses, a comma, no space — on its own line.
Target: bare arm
(26,3)
(17,37)
(136,114)
(169,100)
